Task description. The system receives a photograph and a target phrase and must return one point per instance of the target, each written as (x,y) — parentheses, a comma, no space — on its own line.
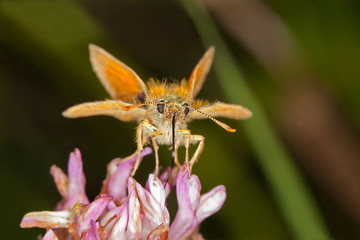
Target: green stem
(293,198)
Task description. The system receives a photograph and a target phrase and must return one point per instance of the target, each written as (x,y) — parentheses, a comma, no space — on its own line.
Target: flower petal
(159,233)
(61,180)
(118,181)
(119,170)
(154,214)
(76,182)
(188,197)
(153,206)
(50,235)
(157,190)
(140,214)
(119,228)
(92,233)
(112,166)
(111,214)
(76,175)
(110,218)
(46,219)
(163,178)
(92,212)
(211,202)
(134,223)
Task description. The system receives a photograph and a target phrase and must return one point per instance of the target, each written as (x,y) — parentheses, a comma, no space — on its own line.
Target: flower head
(124,209)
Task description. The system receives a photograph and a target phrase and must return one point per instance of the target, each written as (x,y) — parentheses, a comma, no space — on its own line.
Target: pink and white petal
(161,232)
(76,176)
(167,190)
(134,224)
(46,219)
(187,189)
(109,219)
(73,200)
(157,190)
(194,191)
(151,230)
(188,198)
(114,212)
(92,212)
(119,228)
(159,193)
(112,166)
(163,178)
(118,181)
(61,180)
(50,235)
(154,215)
(183,225)
(119,170)
(150,207)
(111,169)
(147,226)
(167,215)
(112,205)
(132,158)
(92,233)
(211,202)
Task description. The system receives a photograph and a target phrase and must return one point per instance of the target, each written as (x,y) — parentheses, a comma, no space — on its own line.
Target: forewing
(109,107)
(200,72)
(119,80)
(220,109)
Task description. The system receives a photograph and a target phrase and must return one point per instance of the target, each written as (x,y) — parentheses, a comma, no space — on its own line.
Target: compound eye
(187,109)
(161,107)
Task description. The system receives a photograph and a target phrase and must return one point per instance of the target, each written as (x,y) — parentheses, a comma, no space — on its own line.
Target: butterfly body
(161,108)
(172,102)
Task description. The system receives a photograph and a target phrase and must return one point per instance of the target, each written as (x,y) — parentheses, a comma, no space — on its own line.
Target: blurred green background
(291,172)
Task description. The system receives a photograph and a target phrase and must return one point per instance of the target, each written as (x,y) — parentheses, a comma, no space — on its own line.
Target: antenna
(221,124)
(127,108)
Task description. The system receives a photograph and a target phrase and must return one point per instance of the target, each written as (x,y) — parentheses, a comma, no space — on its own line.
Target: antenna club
(232,130)
(126,108)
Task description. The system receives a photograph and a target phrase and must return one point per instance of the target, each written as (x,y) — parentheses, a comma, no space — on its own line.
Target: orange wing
(108,107)
(200,72)
(119,80)
(220,109)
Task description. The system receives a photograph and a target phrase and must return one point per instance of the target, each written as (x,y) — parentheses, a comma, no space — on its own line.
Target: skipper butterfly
(161,108)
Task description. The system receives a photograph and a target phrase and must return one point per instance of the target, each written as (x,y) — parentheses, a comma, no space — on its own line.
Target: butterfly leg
(196,139)
(144,130)
(186,133)
(156,148)
(176,159)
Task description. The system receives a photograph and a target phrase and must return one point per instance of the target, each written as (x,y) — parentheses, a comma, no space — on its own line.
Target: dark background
(299,58)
